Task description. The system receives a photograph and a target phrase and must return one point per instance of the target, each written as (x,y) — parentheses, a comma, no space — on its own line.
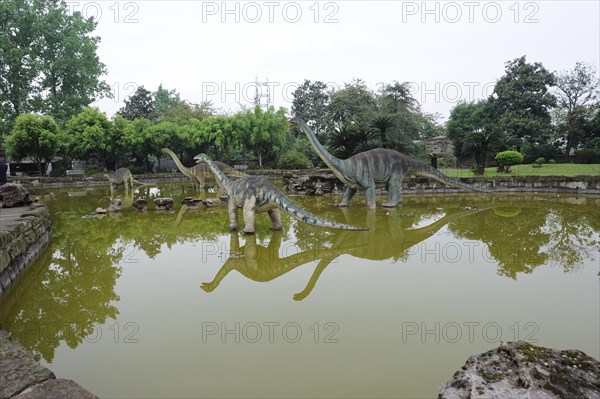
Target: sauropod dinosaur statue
(255,194)
(201,171)
(122,176)
(379,167)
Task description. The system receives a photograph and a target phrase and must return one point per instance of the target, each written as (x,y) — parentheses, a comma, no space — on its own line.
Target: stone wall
(24,231)
(22,377)
(324,183)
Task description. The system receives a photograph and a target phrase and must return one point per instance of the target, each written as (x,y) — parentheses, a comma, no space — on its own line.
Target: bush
(294,160)
(137,169)
(590,153)
(538,162)
(552,161)
(506,159)
(92,170)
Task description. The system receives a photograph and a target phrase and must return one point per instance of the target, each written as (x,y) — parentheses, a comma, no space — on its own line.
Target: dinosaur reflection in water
(386,239)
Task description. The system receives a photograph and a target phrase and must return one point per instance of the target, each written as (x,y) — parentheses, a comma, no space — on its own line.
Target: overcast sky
(450,51)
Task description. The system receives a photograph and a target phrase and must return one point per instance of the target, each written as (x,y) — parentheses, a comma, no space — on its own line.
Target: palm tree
(480,143)
(349,139)
(381,124)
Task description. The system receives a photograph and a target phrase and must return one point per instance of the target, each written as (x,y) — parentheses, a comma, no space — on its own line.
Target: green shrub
(294,160)
(137,169)
(506,159)
(538,162)
(590,153)
(552,161)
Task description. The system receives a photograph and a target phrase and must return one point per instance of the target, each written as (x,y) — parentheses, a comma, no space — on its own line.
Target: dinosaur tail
(429,171)
(139,182)
(301,215)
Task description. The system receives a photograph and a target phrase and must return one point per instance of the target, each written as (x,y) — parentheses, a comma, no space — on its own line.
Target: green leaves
(48,60)
(506,159)
(521,101)
(34,136)
(139,105)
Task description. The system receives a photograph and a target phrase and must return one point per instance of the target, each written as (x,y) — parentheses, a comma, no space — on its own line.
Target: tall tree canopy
(310,103)
(139,105)
(165,99)
(89,134)
(578,95)
(48,61)
(521,101)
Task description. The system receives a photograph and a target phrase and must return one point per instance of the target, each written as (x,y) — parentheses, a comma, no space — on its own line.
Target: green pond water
(171,304)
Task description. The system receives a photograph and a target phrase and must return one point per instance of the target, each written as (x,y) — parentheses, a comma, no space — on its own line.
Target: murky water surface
(171,304)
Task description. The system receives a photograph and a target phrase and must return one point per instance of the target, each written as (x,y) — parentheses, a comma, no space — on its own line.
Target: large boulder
(519,370)
(140,204)
(14,194)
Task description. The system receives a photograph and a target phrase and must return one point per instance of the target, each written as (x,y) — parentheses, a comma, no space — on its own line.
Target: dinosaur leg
(394,191)
(249,211)
(233,215)
(348,196)
(370,194)
(275,218)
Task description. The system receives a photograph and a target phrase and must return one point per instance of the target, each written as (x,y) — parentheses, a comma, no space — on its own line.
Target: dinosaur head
(164,150)
(202,158)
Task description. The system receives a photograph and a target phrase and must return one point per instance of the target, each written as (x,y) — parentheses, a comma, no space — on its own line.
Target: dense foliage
(48,61)
(506,159)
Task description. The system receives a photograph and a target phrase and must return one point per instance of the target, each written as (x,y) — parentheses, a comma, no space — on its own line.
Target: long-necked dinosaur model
(122,176)
(379,167)
(255,194)
(201,171)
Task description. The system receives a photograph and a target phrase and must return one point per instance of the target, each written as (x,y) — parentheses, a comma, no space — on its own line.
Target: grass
(564,169)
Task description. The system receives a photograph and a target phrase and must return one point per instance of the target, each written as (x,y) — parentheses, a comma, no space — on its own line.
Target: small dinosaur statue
(255,194)
(122,176)
(200,171)
(374,168)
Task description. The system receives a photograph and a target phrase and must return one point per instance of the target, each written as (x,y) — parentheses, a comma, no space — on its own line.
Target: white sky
(450,50)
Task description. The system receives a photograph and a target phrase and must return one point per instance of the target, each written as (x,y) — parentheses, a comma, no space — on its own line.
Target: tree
(578,99)
(182,112)
(163,134)
(215,135)
(48,60)
(19,65)
(135,140)
(89,135)
(506,159)
(396,97)
(354,104)
(69,64)
(263,132)
(121,152)
(480,143)
(34,136)
(164,100)
(139,105)
(310,105)
(349,139)
(521,101)
(381,124)
(466,118)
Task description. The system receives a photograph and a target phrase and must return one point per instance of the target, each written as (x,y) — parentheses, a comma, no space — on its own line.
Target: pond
(171,304)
